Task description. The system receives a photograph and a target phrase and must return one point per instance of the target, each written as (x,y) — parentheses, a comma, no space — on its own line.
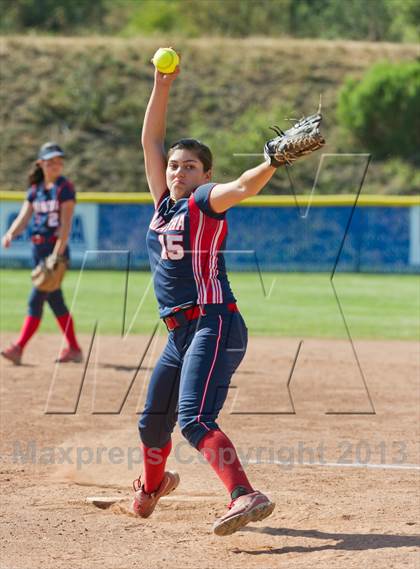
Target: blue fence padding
(283,238)
(385,237)
(270,238)
(124,226)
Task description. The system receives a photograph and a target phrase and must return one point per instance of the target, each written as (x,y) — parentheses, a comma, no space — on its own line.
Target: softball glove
(301,139)
(49,273)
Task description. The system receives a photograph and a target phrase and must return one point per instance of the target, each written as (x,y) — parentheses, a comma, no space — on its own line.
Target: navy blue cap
(50,150)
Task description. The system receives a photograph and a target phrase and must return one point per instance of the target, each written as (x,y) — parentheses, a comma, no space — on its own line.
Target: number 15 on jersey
(171,247)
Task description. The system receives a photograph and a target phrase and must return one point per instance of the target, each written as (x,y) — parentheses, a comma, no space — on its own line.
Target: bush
(381,110)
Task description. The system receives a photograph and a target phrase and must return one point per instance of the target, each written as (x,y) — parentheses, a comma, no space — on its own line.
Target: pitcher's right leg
(155,427)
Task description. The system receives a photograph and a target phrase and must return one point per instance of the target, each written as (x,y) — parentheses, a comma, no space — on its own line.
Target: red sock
(29,327)
(220,453)
(154,460)
(66,324)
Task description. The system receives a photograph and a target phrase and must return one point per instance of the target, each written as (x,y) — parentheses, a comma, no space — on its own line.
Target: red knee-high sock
(154,466)
(220,453)
(67,326)
(29,327)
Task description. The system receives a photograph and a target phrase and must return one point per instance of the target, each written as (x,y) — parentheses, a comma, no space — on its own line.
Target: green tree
(405,20)
(375,20)
(150,16)
(240,18)
(381,110)
(50,15)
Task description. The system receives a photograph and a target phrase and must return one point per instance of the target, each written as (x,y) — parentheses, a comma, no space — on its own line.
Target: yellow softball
(165,60)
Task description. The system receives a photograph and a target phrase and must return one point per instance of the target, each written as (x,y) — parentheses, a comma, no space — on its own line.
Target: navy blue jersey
(185,241)
(46,205)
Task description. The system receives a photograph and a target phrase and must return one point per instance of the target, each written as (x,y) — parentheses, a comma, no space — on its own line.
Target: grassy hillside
(90,95)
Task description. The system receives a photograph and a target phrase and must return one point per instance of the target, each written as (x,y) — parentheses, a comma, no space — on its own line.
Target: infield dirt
(345,484)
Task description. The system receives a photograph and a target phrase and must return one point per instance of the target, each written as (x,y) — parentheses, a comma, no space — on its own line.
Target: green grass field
(299,305)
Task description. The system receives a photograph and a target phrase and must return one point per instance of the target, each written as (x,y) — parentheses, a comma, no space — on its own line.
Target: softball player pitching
(207,334)
(50,201)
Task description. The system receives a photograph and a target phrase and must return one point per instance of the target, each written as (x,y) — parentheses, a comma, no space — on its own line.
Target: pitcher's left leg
(213,356)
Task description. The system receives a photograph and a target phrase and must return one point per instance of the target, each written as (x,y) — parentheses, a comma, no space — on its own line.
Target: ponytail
(36,174)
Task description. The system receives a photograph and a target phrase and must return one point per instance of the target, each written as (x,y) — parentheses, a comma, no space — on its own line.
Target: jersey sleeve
(31,193)
(201,198)
(161,199)
(66,192)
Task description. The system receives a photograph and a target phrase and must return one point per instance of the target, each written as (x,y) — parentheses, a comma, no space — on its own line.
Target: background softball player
(207,335)
(50,202)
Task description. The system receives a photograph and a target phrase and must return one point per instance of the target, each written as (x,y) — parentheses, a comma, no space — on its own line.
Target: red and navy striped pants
(190,381)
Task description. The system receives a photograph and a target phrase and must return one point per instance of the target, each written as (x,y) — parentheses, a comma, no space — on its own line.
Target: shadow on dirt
(345,541)
(122,367)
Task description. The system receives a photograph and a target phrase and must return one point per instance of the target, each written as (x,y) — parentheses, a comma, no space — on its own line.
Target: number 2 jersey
(46,205)
(185,242)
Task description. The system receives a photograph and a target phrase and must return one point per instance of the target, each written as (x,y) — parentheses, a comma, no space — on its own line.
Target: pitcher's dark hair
(36,175)
(202,151)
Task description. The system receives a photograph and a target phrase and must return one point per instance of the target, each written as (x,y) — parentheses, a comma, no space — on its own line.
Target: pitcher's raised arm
(153,133)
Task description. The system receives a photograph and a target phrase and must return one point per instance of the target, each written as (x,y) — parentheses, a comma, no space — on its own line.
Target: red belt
(40,239)
(180,317)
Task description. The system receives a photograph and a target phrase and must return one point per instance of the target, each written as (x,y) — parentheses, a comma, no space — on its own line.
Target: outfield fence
(270,233)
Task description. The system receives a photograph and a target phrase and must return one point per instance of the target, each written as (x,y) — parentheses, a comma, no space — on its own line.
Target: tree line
(371,20)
